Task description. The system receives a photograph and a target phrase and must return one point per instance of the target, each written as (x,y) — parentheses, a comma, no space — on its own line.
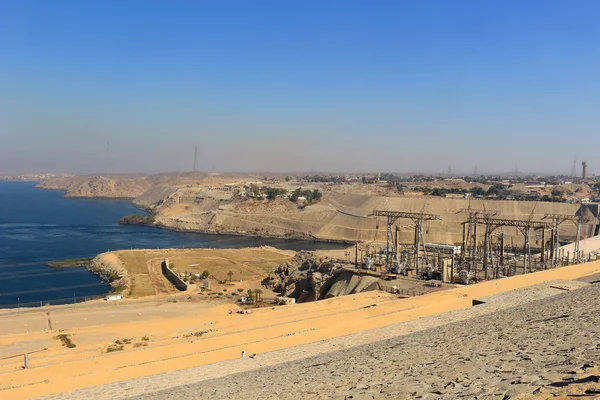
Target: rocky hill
(344,217)
(98,186)
(198,202)
(307,277)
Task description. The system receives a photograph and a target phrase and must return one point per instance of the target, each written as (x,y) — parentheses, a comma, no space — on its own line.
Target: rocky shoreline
(162,225)
(109,268)
(256,235)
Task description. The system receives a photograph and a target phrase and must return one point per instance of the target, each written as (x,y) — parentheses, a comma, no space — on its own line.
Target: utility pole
(475,215)
(524,226)
(417,218)
(195,156)
(557,220)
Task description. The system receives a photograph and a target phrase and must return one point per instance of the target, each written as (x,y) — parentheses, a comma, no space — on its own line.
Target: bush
(66,340)
(118,289)
(136,219)
(205,274)
(240,290)
(272,193)
(310,195)
(114,347)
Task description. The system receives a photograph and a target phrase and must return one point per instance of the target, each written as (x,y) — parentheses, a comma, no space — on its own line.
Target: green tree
(437,192)
(205,274)
(258,293)
(492,191)
(254,190)
(477,191)
(316,195)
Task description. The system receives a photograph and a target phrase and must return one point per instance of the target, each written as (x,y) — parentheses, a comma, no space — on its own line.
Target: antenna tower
(107,157)
(195,156)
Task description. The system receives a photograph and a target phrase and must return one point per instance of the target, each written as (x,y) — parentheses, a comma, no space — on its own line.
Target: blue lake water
(37,226)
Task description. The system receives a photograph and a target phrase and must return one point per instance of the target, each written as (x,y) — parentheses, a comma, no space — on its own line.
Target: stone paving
(538,348)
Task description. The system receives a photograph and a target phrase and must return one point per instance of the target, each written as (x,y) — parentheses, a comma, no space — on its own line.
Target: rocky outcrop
(108,267)
(123,187)
(305,277)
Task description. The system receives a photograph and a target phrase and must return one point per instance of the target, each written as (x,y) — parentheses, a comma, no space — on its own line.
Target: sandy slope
(93,329)
(346,217)
(190,202)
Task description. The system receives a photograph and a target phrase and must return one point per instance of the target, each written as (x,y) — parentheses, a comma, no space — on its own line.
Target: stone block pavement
(535,342)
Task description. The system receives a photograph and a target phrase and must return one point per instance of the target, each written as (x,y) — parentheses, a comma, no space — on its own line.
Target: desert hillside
(343,217)
(219,203)
(98,186)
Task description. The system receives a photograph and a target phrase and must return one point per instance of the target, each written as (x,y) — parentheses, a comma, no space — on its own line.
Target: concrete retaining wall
(172,277)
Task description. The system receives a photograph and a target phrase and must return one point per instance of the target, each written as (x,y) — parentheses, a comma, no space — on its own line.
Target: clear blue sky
(298,85)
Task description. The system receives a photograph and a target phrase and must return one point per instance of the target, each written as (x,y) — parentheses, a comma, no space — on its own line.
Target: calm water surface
(37,226)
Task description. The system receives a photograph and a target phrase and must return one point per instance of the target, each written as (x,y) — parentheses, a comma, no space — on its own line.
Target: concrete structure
(172,276)
(444,248)
(584,165)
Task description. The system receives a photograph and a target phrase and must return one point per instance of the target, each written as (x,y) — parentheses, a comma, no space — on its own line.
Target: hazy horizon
(273,86)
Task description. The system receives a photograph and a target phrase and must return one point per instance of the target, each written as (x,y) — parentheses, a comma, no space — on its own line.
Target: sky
(283,86)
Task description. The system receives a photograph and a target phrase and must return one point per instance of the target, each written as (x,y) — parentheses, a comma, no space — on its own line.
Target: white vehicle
(114,297)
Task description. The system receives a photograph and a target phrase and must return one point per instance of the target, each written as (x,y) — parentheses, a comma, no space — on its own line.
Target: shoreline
(262,236)
(69,263)
(205,232)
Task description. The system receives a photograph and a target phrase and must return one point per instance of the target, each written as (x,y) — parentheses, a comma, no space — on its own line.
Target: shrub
(114,347)
(114,275)
(66,340)
(118,289)
(136,219)
(240,290)
(145,338)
